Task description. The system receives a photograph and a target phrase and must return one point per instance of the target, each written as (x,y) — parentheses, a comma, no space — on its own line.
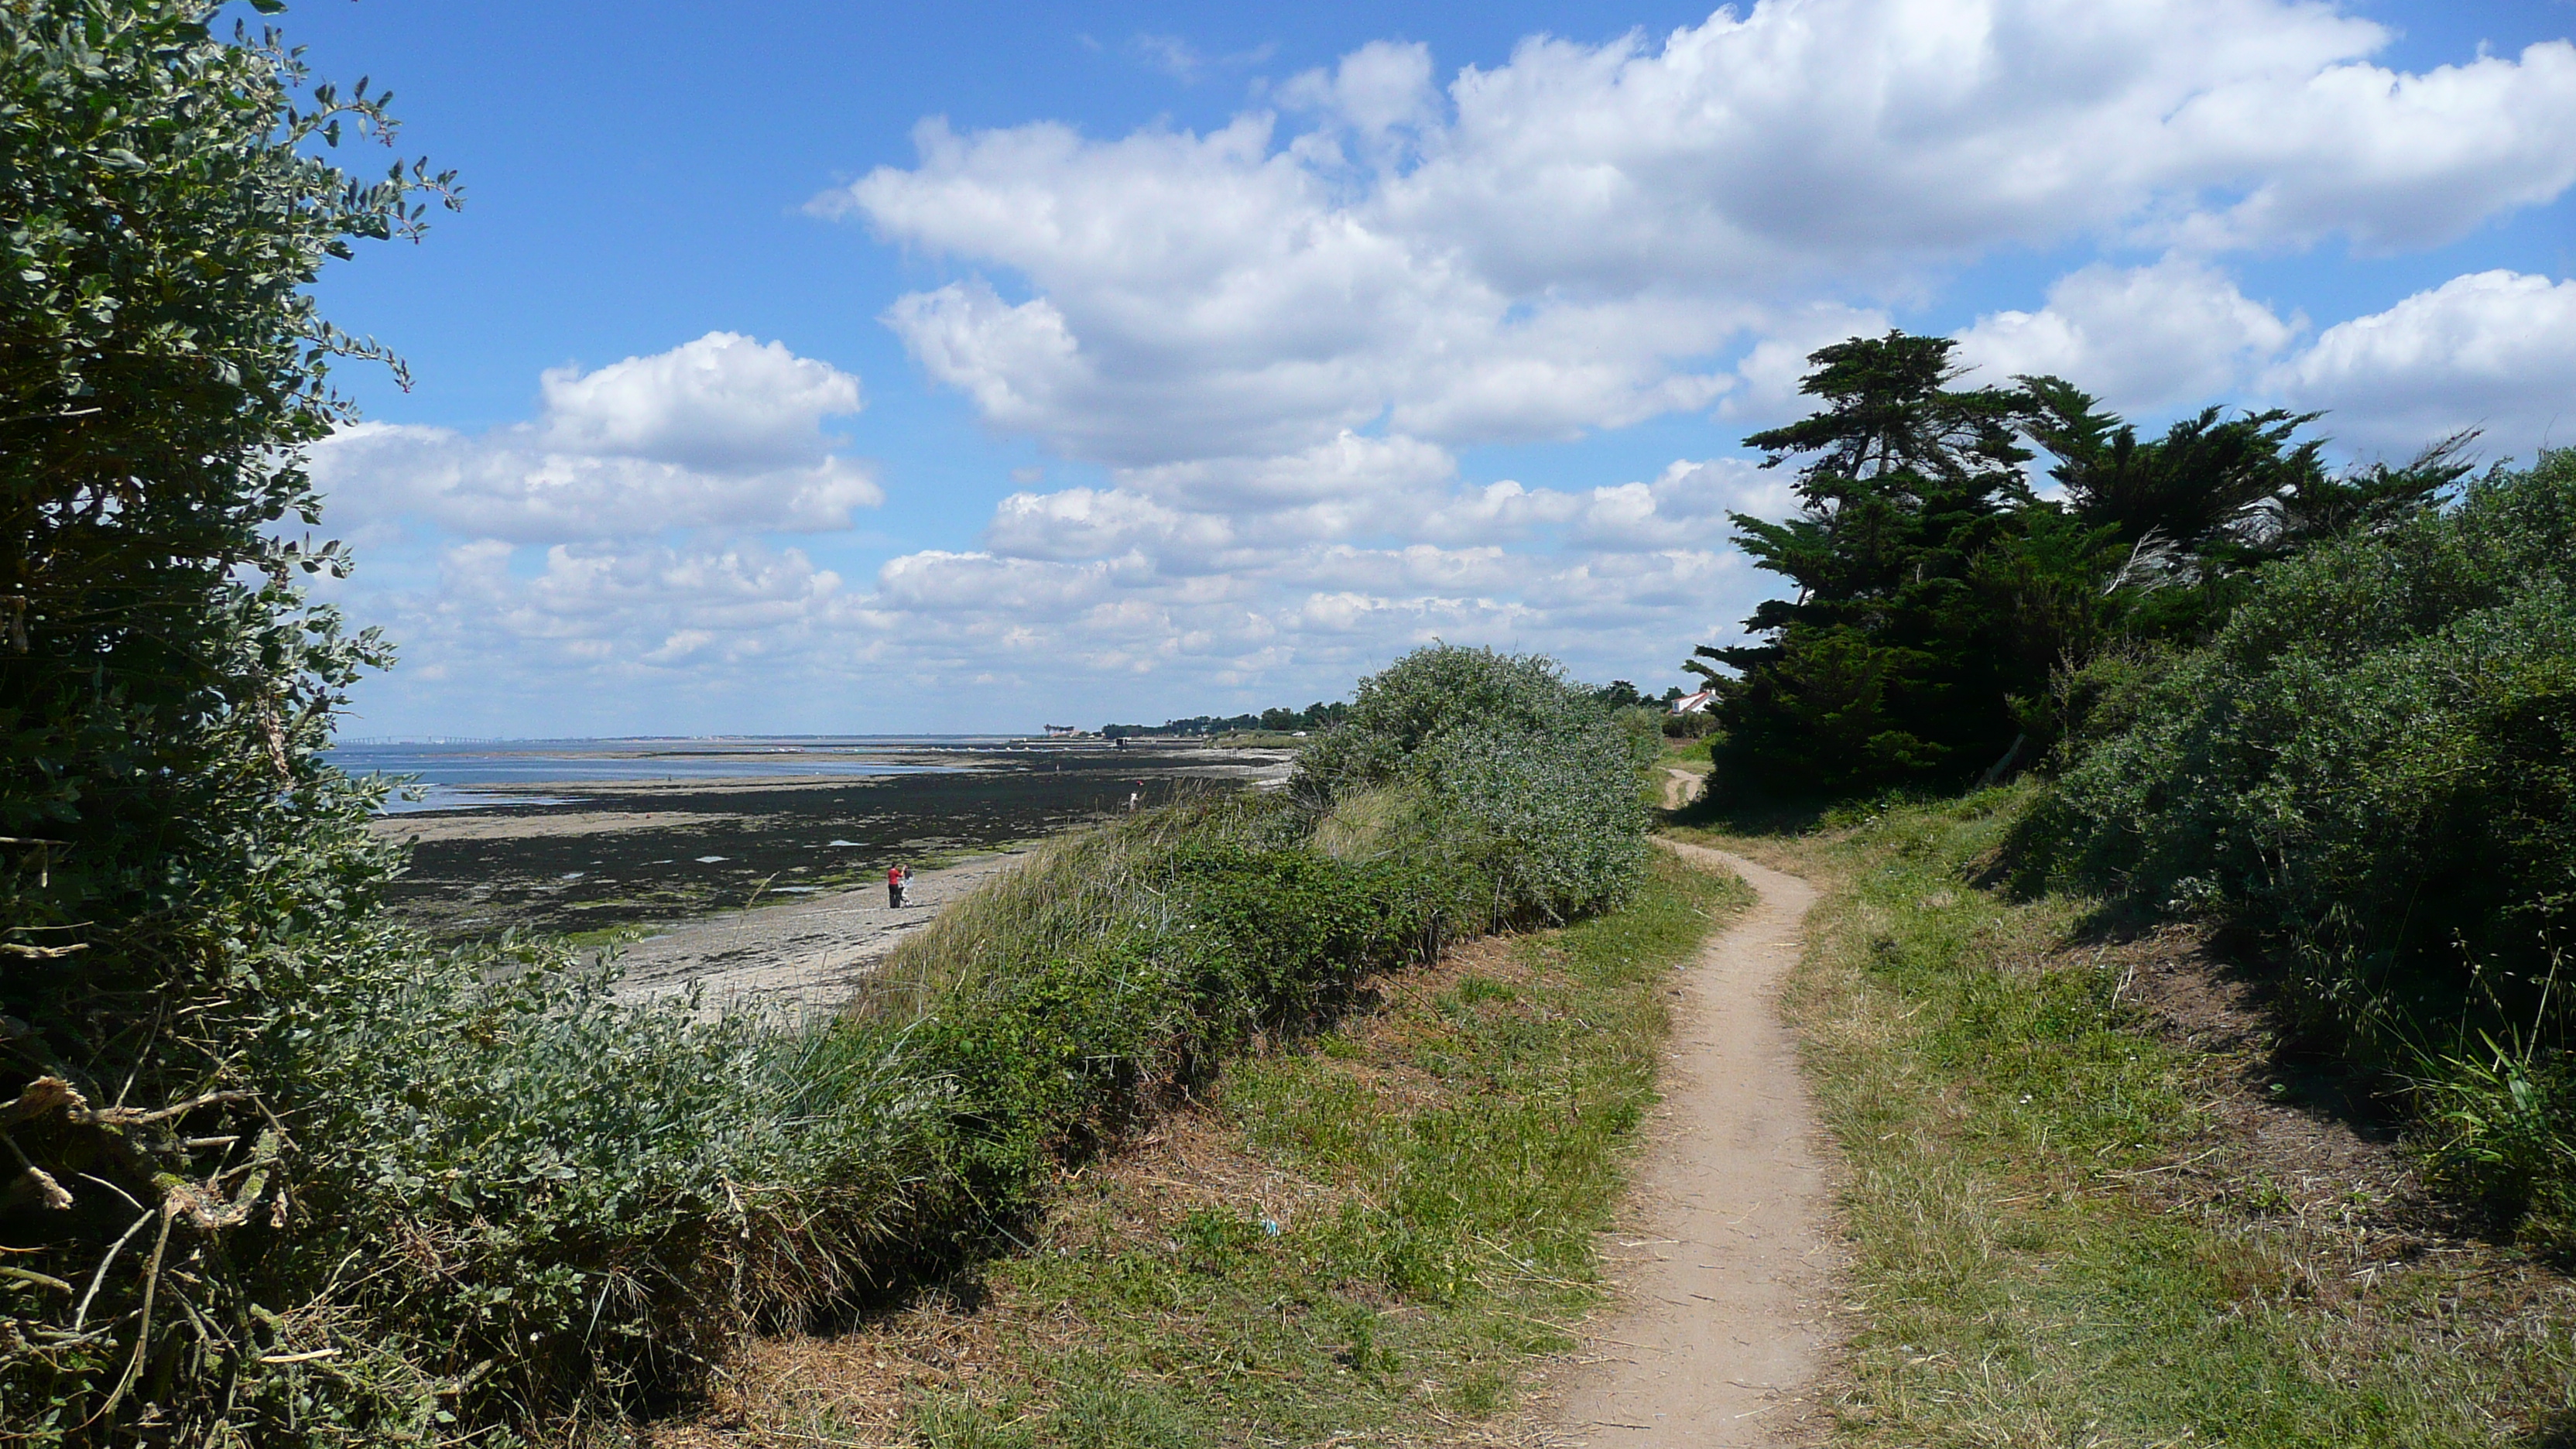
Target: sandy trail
(1720,1322)
(805,953)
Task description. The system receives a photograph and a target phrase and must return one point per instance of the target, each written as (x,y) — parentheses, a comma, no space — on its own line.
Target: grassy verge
(1363,1236)
(2071,1224)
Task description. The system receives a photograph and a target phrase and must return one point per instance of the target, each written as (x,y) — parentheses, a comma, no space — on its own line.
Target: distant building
(1699,703)
(1062,732)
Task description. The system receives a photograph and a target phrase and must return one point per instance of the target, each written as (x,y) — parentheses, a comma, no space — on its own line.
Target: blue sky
(816,367)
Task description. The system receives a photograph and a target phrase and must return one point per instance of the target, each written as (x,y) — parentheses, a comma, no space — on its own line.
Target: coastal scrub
(505,1201)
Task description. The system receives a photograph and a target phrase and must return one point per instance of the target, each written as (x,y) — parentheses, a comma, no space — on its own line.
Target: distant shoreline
(455,775)
(596,858)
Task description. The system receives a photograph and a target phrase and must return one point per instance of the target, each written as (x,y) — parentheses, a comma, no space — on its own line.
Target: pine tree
(1879,670)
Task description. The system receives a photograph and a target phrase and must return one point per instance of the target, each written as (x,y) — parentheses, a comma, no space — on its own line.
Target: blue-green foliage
(2374,766)
(1532,776)
(557,1194)
(277,1175)
(177,863)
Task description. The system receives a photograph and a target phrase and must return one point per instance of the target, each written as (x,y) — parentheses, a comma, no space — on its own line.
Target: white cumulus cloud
(1269,344)
(1575,238)
(2492,350)
(722,432)
(721,402)
(2143,338)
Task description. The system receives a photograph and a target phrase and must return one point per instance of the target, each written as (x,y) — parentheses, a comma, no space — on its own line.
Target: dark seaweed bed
(782,839)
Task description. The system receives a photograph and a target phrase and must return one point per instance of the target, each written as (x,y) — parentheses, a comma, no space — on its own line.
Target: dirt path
(1720,1323)
(804,953)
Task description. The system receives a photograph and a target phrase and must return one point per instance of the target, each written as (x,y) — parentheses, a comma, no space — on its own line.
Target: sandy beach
(805,954)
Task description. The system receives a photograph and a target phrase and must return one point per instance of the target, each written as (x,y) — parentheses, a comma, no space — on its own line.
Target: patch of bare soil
(2310,1143)
(2285,1137)
(859,1385)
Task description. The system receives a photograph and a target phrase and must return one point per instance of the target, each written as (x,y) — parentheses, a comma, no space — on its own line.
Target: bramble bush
(516,1198)
(1121,964)
(177,865)
(558,1198)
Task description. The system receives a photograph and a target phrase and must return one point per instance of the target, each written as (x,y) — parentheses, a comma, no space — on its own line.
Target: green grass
(1366,1230)
(1690,754)
(2016,1275)
(594,939)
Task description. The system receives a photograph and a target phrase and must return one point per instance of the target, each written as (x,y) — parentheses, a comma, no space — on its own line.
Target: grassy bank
(1360,1235)
(2090,1200)
(487,1198)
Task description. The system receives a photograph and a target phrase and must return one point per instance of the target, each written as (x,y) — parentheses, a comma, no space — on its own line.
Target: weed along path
(1721,1321)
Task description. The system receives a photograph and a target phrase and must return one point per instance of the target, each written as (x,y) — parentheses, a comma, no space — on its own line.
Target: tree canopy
(1948,619)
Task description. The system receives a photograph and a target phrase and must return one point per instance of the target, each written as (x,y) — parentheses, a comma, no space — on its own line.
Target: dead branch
(41,1280)
(43,953)
(43,1095)
(143,1325)
(131,1117)
(80,1315)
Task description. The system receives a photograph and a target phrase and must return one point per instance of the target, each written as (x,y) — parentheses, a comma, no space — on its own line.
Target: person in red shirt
(895,877)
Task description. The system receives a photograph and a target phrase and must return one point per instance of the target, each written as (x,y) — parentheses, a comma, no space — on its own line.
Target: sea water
(460,775)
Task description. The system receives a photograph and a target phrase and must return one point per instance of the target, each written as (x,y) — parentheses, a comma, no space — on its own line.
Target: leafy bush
(1119,965)
(177,866)
(275,1174)
(1531,777)
(1465,789)
(2374,766)
(554,1196)
(509,1195)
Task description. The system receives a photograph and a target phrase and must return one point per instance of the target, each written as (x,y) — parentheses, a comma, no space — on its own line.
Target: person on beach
(895,876)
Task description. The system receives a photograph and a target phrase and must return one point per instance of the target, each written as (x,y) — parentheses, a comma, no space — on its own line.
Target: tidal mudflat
(634,856)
